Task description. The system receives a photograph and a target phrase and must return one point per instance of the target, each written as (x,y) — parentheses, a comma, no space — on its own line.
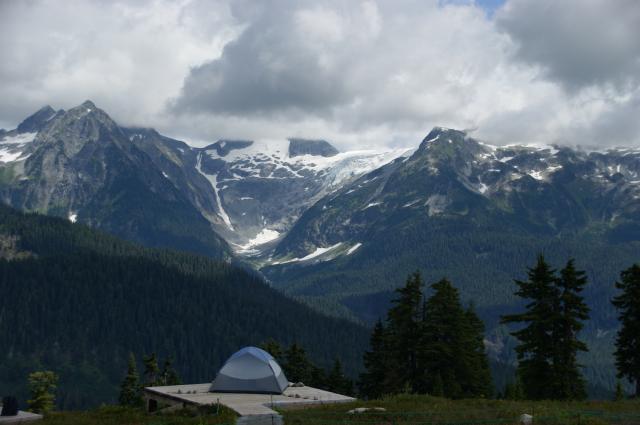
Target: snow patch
(73,217)
(372,204)
(264,236)
(354,248)
(408,204)
(213,180)
(7,156)
(19,139)
(318,252)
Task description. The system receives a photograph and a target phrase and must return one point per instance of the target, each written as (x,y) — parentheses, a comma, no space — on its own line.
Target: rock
(366,409)
(526,419)
(299,147)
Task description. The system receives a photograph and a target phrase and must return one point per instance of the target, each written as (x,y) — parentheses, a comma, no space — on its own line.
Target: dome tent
(250,370)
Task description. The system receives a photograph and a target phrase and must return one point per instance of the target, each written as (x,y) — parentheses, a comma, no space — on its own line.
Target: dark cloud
(271,67)
(578,43)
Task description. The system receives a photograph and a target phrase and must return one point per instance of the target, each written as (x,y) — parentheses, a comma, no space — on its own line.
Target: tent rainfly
(250,370)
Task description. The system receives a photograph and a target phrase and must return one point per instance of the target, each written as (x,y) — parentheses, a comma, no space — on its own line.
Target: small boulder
(366,409)
(526,419)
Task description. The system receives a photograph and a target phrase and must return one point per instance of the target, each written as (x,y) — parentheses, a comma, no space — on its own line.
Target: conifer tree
(375,363)
(42,386)
(272,347)
(513,390)
(437,386)
(130,387)
(151,370)
(337,382)
(619,391)
(536,346)
(297,366)
(568,382)
(480,383)
(627,352)
(403,333)
(169,376)
(318,377)
(452,355)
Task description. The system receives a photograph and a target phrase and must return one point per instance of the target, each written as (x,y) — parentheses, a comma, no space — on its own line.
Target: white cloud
(128,57)
(359,73)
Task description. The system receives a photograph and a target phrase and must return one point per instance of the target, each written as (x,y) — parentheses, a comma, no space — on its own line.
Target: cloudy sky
(359,73)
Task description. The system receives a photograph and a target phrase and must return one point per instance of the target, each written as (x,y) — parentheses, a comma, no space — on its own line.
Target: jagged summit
(441,132)
(224,146)
(88,104)
(319,147)
(37,120)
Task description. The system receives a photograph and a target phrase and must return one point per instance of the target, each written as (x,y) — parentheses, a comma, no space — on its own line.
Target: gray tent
(250,370)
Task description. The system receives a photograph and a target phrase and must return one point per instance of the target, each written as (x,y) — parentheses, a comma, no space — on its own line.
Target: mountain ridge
(242,190)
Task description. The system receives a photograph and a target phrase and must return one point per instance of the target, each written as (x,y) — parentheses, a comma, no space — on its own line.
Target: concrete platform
(23,417)
(252,408)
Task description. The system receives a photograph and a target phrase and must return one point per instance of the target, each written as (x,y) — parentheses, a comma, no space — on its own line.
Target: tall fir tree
(317,377)
(535,349)
(627,352)
(151,370)
(619,396)
(480,382)
(404,321)
(337,382)
(130,387)
(514,390)
(274,348)
(375,363)
(169,376)
(452,357)
(568,382)
(297,366)
(42,386)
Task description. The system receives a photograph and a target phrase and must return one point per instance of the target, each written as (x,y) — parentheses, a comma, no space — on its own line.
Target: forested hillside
(77,301)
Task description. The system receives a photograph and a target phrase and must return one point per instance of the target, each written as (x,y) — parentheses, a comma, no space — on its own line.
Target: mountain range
(138,184)
(341,230)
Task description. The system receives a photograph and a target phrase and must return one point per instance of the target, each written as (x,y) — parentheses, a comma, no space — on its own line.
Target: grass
(423,410)
(115,415)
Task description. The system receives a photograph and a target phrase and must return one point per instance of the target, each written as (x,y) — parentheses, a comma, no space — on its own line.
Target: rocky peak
(88,104)
(442,135)
(224,146)
(299,147)
(445,143)
(36,121)
(80,125)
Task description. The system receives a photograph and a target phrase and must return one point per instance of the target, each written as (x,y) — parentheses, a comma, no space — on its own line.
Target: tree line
(297,367)
(435,346)
(427,345)
(153,376)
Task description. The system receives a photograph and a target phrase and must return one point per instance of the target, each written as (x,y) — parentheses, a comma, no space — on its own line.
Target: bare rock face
(36,121)
(81,165)
(299,147)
